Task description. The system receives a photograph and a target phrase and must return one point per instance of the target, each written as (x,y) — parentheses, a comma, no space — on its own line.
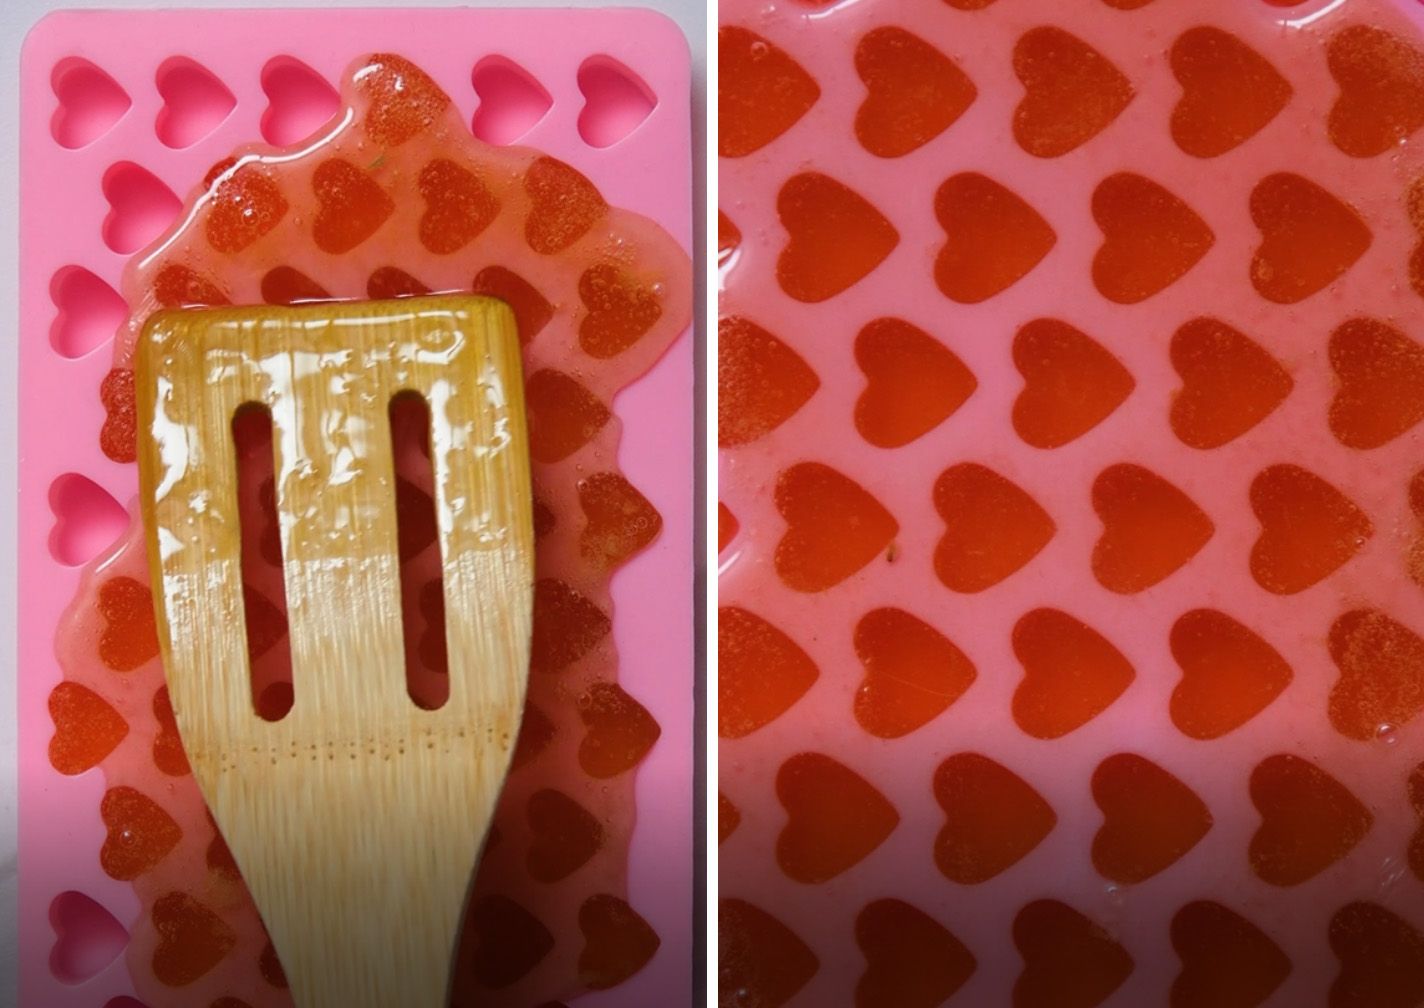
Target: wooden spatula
(358,818)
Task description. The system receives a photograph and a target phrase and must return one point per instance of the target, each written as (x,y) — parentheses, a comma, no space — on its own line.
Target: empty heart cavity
(87,938)
(299,101)
(511,101)
(194,102)
(89,312)
(90,103)
(140,207)
(86,519)
(616,101)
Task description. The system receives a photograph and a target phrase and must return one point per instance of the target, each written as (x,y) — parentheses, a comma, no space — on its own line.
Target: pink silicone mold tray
(1071,648)
(124,115)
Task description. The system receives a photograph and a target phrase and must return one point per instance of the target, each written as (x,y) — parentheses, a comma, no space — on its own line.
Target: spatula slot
(264,592)
(422,583)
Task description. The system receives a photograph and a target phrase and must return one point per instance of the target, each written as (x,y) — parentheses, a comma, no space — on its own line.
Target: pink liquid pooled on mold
(1070,363)
(395,198)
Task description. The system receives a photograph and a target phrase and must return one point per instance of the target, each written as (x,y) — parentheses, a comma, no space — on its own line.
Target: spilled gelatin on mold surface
(392,198)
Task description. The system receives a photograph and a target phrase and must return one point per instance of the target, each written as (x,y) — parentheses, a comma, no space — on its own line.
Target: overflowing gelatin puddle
(1071,362)
(395,198)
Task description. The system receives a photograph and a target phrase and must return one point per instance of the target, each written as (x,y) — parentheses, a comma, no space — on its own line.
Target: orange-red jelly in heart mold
(395,198)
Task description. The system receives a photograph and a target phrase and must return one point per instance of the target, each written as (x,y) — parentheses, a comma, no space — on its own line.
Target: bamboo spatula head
(357,818)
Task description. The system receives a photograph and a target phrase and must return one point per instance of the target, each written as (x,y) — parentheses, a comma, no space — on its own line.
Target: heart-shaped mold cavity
(761,672)
(1229,383)
(621,310)
(912,673)
(834,527)
(621,521)
(564,835)
(993,238)
(1227,962)
(993,818)
(1309,238)
(1069,960)
(617,942)
(761,381)
(87,519)
(566,626)
(388,282)
(140,833)
(195,102)
(1230,92)
(616,101)
(1150,528)
(993,527)
(1071,383)
(1379,390)
(402,99)
(835,818)
(563,205)
(90,103)
(1309,820)
(458,206)
(1072,92)
(1309,529)
(1381,684)
(1381,78)
(835,237)
(761,91)
(140,207)
(90,312)
(129,637)
(1072,673)
(284,285)
(87,938)
(86,728)
(246,204)
(913,382)
(1151,238)
(911,959)
(532,310)
(914,92)
(563,415)
(299,101)
(759,957)
(1381,958)
(1229,674)
(511,104)
(177,286)
(1150,818)
(352,206)
(619,731)
(502,941)
(192,939)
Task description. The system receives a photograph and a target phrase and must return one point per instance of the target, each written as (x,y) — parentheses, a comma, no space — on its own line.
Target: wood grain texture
(358,818)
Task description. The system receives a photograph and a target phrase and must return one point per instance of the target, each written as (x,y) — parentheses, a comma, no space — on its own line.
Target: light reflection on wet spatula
(357,819)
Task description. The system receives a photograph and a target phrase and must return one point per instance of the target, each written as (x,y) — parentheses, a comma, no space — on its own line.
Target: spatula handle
(363,894)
